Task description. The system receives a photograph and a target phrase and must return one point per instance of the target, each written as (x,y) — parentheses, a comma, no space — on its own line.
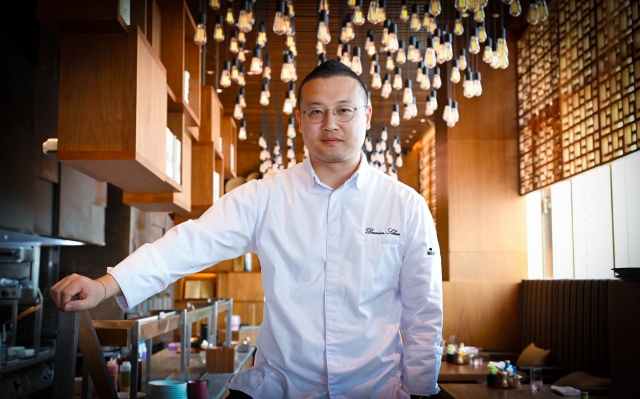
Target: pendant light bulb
(447,48)
(482,33)
(218,31)
(384,134)
(425,84)
(373,15)
(279,27)
(242,133)
(358,14)
(430,58)
(261,39)
(435,8)
(487,55)
(478,15)
(386,86)
(237,110)
(461,5)
(392,46)
(455,72)
(406,114)
(376,80)
(287,107)
(474,43)
(356,64)
(229,16)
(225,76)
(437,80)
(256,62)
(234,45)
(458,27)
(244,21)
(404,11)
(390,64)
(477,85)
(532,14)
(420,72)
(291,129)
(323,28)
(346,55)
(415,24)
(395,116)
(407,97)
(401,56)
(515,9)
(462,59)
(428,109)
(285,73)
(468,88)
(543,10)
(266,67)
(214,4)
(264,95)
(397,79)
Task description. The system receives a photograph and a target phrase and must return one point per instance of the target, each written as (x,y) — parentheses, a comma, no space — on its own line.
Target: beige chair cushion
(533,356)
(583,379)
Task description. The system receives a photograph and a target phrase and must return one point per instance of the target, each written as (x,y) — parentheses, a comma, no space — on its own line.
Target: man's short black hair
(330,69)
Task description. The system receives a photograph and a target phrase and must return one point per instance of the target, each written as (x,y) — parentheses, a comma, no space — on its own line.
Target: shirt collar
(309,175)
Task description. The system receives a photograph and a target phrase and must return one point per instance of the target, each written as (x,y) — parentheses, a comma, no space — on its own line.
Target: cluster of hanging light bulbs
(439,50)
(381,156)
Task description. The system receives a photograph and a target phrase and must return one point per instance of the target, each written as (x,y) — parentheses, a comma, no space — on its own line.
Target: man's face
(332,141)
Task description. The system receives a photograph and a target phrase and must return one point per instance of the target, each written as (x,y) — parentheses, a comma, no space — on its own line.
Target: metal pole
(133,359)
(183,344)
(87,385)
(229,314)
(149,344)
(94,358)
(214,327)
(64,369)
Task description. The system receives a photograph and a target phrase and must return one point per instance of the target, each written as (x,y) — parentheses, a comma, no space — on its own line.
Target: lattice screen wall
(428,171)
(577,76)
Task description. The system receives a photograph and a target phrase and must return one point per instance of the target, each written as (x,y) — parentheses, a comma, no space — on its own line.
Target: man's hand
(90,292)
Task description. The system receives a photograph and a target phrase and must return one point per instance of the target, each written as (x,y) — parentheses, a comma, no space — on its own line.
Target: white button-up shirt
(343,272)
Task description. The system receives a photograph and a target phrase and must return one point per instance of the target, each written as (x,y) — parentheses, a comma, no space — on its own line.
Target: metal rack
(76,330)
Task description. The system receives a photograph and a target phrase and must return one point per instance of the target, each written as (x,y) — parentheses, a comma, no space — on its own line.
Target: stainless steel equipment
(21,264)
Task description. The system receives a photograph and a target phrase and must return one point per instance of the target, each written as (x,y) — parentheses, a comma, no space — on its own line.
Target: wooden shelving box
(169,201)
(113,110)
(229,135)
(179,53)
(84,16)
(211,116)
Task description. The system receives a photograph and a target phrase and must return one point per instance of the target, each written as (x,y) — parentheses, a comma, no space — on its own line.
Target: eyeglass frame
(333,110)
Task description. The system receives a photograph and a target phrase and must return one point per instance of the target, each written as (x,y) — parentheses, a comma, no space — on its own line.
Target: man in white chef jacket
(349,258)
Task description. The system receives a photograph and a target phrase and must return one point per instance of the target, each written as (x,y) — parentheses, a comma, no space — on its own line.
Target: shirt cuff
(421,365)
(120,299)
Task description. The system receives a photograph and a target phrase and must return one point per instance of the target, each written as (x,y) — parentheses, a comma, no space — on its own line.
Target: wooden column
(481,216)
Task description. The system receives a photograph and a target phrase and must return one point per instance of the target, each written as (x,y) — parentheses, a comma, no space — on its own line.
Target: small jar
(502,380)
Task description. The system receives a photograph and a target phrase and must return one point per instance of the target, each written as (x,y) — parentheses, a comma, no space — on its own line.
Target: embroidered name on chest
(389,231)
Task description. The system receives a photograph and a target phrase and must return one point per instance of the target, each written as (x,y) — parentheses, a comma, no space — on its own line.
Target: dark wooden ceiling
(271,120)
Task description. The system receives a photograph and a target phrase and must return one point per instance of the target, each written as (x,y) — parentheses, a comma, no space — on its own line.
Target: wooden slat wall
(570,318)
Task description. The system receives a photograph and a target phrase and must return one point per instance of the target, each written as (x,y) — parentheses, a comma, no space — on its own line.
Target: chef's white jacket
(343,272)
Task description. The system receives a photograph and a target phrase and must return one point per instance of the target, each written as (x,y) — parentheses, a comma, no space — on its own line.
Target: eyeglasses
(342,113)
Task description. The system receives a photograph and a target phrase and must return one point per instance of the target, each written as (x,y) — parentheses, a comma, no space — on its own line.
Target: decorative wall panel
(428,171)
(577,76)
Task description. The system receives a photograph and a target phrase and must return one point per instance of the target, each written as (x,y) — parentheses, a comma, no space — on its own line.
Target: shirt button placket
(332,295)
